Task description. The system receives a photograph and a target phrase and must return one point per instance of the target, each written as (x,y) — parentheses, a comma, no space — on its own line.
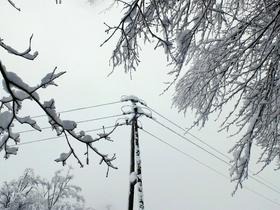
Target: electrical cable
(186,131)
(206,165)
(215,156)
(80,108)
(78,122)
(190,141)
(56,137)
(270,185)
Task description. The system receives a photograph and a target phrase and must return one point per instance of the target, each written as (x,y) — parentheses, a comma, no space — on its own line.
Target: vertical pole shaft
(139,169)
(132,167)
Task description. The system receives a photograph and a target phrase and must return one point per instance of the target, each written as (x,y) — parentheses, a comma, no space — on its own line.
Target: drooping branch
(18,91)
(231,52)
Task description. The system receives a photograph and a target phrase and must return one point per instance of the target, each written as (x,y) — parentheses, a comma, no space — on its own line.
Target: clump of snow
(5,120)
(69,124)
(63,157)
(49,79)
(133,177)
(142,112)
(14,78)
(49,104)
(29,121)
(11,150)
(87,139)
(133,99)
(20,95)
(3,141)
(6,99)
(14,136)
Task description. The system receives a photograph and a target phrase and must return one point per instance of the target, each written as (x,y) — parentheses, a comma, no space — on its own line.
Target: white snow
(69,124)
(49,79)
(11,150)
(21,95)
(87,139)
(5,119)
(133,99)
(17,80)
(6,99)
(29,121)
(132,177)
(63,156)
(14,136)
(3,141)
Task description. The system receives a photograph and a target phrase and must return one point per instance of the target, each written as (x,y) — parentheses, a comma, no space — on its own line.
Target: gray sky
(68,36)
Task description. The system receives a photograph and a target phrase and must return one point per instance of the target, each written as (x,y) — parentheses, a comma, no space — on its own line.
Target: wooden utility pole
(135,170)
(132,166)
(139,169)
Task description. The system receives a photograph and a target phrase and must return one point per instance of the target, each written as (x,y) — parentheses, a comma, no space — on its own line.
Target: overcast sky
(68,36)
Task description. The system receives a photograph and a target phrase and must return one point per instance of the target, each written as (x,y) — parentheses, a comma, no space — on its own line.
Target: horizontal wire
(78,122)
(80,108)
(207,166)
(56,137)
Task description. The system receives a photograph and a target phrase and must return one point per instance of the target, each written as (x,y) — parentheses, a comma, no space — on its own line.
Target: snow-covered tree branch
(17,91)
(231,52)
(25,54)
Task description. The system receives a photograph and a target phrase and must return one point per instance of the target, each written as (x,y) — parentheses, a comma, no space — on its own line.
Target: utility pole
(139,169)
(135,160)
(132,167)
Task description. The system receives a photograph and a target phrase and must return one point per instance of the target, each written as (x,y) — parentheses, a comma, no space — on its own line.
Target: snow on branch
(231,50)
(18,91)
(25,54)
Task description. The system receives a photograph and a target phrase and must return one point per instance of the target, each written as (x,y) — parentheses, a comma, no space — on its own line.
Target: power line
(78,122)
(184,153)
(111,116)
(259,179)
(56,137)
(80,108)
(205,150)
(190,141)
(215,156)
(186,131)
(206,165)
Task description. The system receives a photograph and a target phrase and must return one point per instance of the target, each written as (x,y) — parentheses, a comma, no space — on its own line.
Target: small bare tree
(19,194)
(58,191)
(33,192)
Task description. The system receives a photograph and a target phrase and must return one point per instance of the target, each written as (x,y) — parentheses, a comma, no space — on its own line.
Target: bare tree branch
(25,54)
